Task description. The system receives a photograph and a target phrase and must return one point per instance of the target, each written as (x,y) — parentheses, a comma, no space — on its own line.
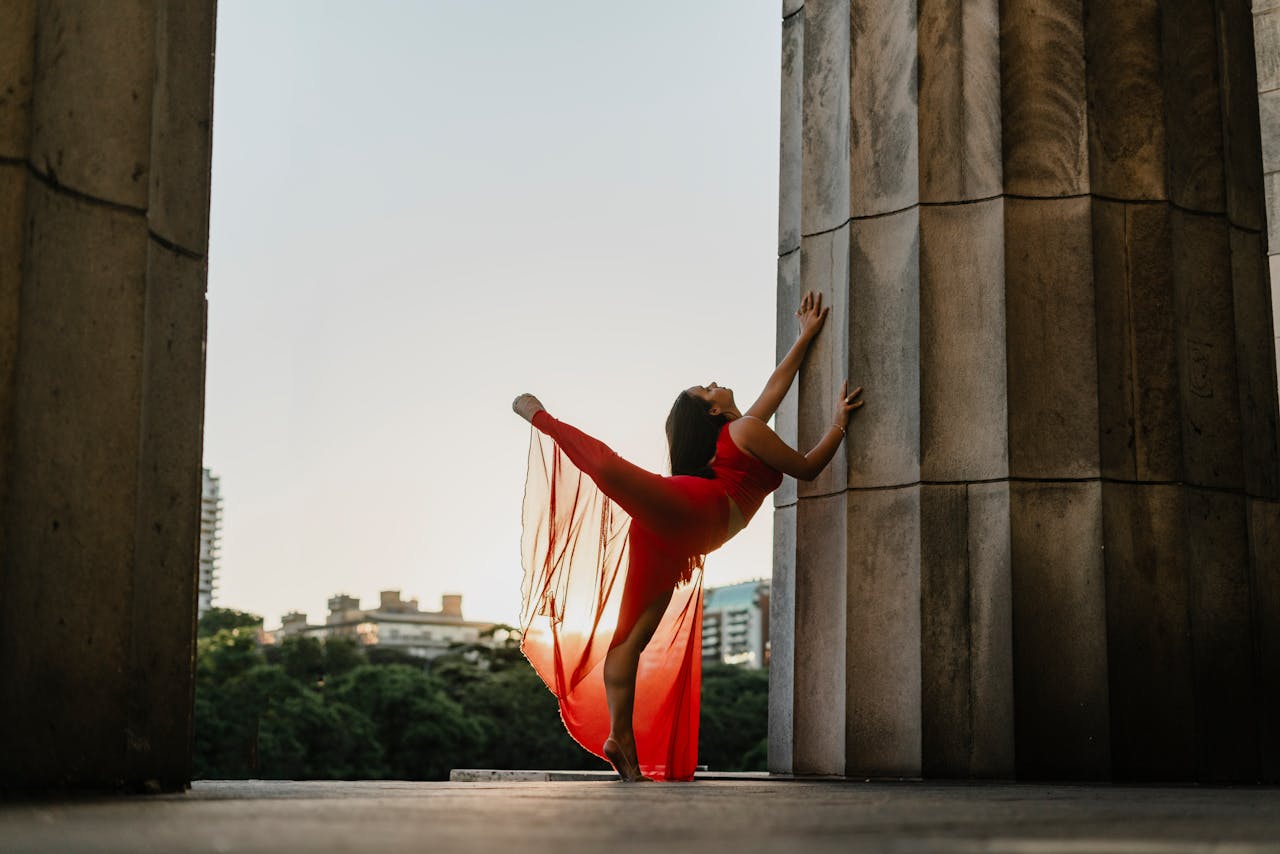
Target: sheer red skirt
(603,539)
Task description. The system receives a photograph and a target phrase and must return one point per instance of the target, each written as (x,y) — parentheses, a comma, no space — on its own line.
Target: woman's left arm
(812,315)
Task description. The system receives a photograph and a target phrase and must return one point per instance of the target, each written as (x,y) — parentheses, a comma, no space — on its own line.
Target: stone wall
(1049,546)
(105,113)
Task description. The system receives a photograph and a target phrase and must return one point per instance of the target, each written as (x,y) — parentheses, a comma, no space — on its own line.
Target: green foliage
(333,710)
(224,655)
(521,720)
(342,655)
(390,655)
(217,619)
(735,713)
(303,659)
(423,732)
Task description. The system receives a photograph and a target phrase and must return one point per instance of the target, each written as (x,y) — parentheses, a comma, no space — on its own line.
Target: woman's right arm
(755,437)
(812,315)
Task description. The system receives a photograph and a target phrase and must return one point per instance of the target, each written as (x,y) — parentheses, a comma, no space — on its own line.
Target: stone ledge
(494,775)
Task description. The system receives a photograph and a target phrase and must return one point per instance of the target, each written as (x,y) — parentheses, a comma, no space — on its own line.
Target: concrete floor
(715,815)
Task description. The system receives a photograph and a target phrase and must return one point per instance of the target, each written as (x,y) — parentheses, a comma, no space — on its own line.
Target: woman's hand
(527,406)
(846,405)
(811,314)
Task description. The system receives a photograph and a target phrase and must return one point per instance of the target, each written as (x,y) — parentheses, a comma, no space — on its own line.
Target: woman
(577,547)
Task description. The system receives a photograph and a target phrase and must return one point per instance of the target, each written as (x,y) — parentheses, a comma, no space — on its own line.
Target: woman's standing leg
(620,667)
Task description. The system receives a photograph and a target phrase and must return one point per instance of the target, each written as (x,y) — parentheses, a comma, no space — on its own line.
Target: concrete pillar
(105,113)
(1055,526)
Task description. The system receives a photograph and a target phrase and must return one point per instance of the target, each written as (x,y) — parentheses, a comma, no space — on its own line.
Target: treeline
(338,710)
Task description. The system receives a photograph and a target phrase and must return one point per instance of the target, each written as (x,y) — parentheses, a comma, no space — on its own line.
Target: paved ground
(715,815)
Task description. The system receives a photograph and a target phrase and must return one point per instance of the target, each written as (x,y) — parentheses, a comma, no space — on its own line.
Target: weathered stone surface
(17,61)
(1256,364)
(966,642)
(946,669)
(963,414)
(181,145)
(791,136)
(959,113)
(824,269)
(1049,312)
(1126,106)
(1264,558)
(790,7)
(91,113)
(1266,42)
(1043,99)
(1148,633)
(1269,115)
(1211,441)
(825,118)
(1139,415)
(1239,84)
(819,712)
(167,524)
(13,215)
(883,138)
(991,630)
(65,634)
(748,815)
(1221,636)
(782,649)
(786,418)
(1193,113)
(1271,187)
(884,350)
(1273,264)
(1059,631)
(882,639)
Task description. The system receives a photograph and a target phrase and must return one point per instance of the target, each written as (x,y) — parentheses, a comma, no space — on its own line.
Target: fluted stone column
(105,113)
(1049,549)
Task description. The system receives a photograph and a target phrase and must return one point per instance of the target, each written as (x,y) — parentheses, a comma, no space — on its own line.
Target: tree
(390,655)
(342,655)
(735,718)
(424,733)
(216,619)
(289,732)
(303,659)
(521,722)
(224,655)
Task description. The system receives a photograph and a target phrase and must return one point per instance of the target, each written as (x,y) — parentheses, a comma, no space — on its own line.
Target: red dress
(596,551)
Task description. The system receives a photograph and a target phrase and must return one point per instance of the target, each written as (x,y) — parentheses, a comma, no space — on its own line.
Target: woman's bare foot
(527,406)
(628,767)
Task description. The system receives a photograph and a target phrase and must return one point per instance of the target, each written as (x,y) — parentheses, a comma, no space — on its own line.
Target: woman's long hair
(691,436)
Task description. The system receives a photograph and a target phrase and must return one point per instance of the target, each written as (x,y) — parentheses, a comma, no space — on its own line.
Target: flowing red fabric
(602,540)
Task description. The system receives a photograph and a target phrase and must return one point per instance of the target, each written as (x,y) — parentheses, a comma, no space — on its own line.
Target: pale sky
(421,209)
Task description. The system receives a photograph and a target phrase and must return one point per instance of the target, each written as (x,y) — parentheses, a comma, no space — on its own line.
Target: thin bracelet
(843,432)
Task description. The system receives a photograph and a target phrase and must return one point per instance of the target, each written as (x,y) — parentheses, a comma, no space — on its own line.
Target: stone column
(1264,516)
(105,113)
(1040,225)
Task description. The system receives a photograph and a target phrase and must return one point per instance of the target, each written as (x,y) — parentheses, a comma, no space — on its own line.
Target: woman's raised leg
(648,498)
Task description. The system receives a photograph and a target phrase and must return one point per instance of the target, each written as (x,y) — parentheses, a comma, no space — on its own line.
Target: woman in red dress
(612,613)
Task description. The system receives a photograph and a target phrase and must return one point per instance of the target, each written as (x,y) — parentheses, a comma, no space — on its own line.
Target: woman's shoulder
(743,430)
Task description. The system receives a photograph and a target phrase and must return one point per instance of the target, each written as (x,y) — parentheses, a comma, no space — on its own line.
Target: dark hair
(691,435)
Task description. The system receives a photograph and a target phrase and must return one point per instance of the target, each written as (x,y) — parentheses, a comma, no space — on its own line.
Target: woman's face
(718,399)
